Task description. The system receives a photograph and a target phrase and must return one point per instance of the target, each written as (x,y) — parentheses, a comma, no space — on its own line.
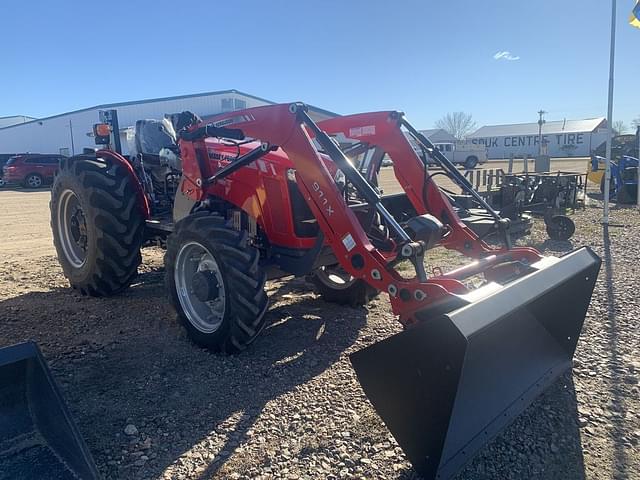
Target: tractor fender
(143,201)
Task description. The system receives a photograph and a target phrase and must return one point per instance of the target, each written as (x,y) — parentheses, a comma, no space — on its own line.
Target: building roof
(429,131)
(549,128)
(14,119)
(164,99)
(438,135)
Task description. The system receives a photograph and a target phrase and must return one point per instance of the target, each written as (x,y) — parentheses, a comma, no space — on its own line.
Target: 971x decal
(323,198)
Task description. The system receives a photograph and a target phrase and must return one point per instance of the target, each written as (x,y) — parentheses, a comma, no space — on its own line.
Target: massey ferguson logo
(365,131)
(323,199)
(220,156)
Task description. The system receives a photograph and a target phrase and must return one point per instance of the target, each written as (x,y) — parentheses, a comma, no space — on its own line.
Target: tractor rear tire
(97,225)
(215,283)
(338,287)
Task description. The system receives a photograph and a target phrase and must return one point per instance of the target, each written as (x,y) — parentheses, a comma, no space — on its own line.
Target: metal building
(438,135)
(564,138)
(14,120)
(69,133)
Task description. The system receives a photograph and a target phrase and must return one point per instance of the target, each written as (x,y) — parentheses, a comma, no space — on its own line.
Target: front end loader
(266,193)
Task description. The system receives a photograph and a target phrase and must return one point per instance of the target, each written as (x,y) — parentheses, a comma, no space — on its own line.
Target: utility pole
(638,187)
(73,148)
(540,123)
(607,170)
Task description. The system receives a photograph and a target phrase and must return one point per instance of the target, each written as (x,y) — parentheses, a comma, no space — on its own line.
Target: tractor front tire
(336,286)
(215,283)
(97,225)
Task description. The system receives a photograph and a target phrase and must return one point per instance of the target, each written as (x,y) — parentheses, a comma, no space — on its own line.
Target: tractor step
(160,225)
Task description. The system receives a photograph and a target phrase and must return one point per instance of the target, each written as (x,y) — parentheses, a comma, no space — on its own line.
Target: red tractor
(266,193)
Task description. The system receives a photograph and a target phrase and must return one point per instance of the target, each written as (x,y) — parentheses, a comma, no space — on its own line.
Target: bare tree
(636,122)
(619,127)
(458,124)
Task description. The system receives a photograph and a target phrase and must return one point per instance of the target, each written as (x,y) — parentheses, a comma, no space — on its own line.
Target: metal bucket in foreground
(447,386)
(38,438)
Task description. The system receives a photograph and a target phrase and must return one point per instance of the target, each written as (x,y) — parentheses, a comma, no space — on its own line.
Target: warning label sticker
(348,242)
(362,131)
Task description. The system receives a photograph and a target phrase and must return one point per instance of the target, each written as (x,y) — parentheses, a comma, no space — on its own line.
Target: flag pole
(638,183)
(607,171)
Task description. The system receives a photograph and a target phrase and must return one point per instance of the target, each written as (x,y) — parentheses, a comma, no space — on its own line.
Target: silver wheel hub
(199,287)
(72,226)
(34,181)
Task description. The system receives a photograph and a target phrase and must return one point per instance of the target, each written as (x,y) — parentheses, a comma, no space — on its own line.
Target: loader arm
(385,130)
(470,360)
(289,127)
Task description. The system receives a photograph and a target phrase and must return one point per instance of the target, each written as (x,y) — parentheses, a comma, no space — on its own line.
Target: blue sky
(424,57)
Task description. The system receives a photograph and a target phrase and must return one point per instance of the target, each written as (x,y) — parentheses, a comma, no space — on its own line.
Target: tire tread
(117,217)
(245,281)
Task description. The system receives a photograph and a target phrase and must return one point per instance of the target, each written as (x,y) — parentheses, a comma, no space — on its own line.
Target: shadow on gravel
(554,245)
(125,360)
(616,388)
(542,443)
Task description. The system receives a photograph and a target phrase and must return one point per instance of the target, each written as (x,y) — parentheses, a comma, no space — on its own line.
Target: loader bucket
(38,438)
(448,385)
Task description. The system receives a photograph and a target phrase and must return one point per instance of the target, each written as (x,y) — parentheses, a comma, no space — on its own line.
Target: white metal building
(438,135)
(564,138)
(14,120)
(69,133)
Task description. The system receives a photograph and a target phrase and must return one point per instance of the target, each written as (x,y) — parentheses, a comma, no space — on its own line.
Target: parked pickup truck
(464,153)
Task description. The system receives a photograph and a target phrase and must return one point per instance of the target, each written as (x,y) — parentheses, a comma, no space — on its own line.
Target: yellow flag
(634,19)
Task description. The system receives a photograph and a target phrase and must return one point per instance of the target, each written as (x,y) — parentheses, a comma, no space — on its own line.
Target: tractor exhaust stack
(451,383)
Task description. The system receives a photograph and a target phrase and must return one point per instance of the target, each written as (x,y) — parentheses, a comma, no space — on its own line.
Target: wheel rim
(34,181)
(562,227)
(72,226)
(192,262)
(335,277)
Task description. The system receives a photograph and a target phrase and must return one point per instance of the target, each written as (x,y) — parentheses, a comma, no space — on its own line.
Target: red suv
(31,170)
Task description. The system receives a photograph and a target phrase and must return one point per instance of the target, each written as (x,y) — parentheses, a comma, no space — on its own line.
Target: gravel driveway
(152,405)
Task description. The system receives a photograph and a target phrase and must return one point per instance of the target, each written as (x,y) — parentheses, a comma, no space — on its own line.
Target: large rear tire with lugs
(97,224)
(215,283)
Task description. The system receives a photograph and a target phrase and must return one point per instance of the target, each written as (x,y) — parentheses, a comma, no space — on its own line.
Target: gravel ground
(151,405)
